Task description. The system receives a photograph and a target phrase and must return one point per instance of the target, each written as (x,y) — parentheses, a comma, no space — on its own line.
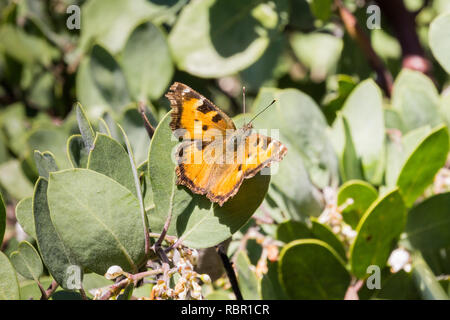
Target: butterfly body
(214,157)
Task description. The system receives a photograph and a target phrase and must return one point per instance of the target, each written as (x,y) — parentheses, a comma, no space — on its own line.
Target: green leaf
(55,254)
(394,286)
(147,63)
(134,127)
(77,152)
(25,47)
(399,151)
(270,285)
(45,163)
(428,222)
(9,286)
(293,230)
(53,140)
(88,93)
(322,9)
(110,158)
(311,269)
(108,78)
(318,51)
(362,194)
(416,99)
(110,22)
(195,219)
(438,37)
(2,218)
(105,215)
(24,215)
(248,282)
(324,233)
(205,42)
(414,176)
(368,136)
(27,262)
(14,181)
(146,186)
(377,232)
(349,162)
(426,282)
(85,127)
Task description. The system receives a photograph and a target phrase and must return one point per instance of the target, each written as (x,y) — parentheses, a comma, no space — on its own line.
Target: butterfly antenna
(274,100)
(243,101)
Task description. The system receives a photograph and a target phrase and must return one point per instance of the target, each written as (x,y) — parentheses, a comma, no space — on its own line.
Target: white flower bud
(205,278)
(113,272)
(398,259)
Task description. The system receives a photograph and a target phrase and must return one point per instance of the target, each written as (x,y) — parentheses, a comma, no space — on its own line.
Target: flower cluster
(332,215)
(187,280)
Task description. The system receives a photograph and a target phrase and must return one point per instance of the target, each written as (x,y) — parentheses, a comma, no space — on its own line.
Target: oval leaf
(9,286)
(206,43)
(311,269)
(147,63)
(414,176)
(362,195)
(24,215)
(376,232)
(416,99)
(439,40)
(27,261)
(105,214)
(428,223)
(56,256)
(110,158)
(368,136)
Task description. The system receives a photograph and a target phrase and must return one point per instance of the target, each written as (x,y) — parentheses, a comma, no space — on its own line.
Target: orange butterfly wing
(205,163)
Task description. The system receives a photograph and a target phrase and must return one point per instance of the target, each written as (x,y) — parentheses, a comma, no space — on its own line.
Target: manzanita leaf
(414,176)
(110,158)
(105,215)
(248,282)
(438,39)
(45,163)
(311,269)
(223,46)
(55,254)
(147,63)
(24,215)
(9,286)
(428,223)
(27,262)
(77,151)
(87,133)
(355,196)
(377,232)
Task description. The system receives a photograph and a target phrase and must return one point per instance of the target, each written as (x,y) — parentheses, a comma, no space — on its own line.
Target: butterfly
(213,157)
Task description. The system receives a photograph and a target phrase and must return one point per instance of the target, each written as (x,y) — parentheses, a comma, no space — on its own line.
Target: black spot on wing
(216,118)
(205,108)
